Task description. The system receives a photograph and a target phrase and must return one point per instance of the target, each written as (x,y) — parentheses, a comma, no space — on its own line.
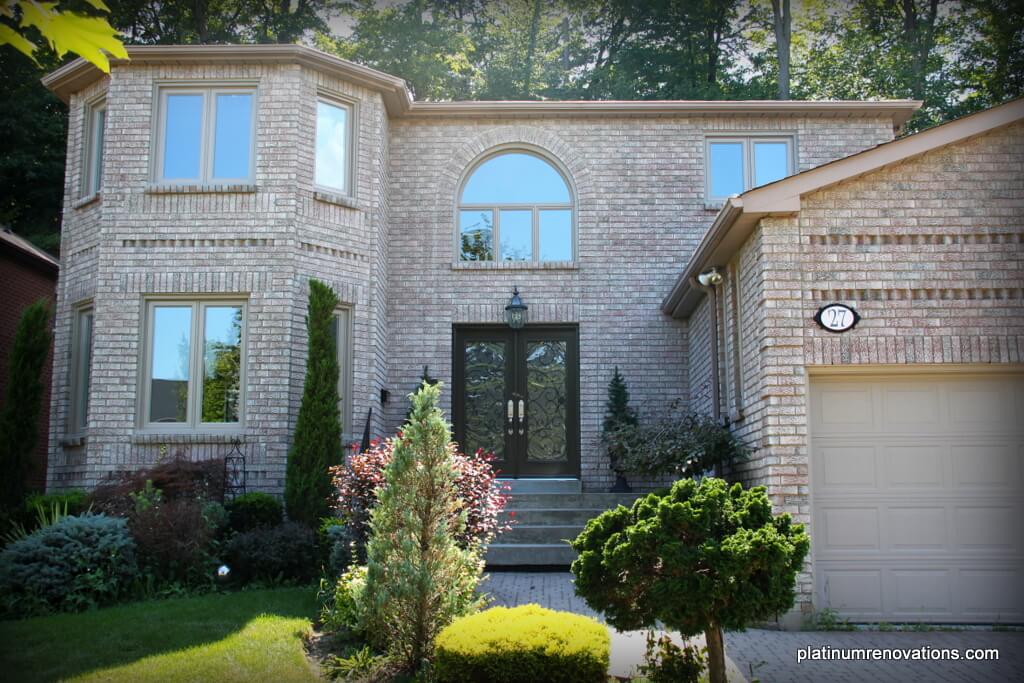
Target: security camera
(710,278)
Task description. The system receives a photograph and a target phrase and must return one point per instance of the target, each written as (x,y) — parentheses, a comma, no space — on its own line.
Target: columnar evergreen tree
(617,415)
(419,579)
(700,558)
(19,420)
(317,444)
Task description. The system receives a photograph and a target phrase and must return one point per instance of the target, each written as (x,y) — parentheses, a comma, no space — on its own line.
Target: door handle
(511,414)
(522,415)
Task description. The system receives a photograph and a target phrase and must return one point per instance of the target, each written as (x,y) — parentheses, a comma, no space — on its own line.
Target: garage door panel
(917,516)
(850,528)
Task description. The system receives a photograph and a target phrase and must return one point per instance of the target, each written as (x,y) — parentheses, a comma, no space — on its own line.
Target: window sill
(201,188)
(73,441)
(86,200)
(335,198)
(515,265)
(153,437)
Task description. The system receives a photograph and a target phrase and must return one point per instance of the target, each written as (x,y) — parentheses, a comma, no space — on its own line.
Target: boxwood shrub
(254,510)
(283,554)
(521,645)
(77,563)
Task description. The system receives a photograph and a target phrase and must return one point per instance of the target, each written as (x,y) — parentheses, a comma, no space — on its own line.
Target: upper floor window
(736,164)
(334,146)
(195,355)
(95,120)
(516,206)
(205,135)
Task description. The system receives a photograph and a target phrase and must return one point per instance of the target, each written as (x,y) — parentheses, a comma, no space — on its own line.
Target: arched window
(515,206)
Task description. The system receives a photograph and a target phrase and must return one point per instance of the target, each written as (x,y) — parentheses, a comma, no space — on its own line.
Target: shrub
(523,644)
(617,415)
(178,478)
(700,557)
(344,608)
(418,578)
(358,484)
(19,419)
(317,444)
(254,510)
(338,545)
(175,539)
(285,553)
(686,445)
(77,563)
(666,662)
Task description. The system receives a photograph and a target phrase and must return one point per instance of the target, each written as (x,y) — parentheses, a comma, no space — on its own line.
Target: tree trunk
(531,50)
(783,25)
(716,653)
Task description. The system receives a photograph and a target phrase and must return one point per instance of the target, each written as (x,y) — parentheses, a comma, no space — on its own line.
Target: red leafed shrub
(356,486)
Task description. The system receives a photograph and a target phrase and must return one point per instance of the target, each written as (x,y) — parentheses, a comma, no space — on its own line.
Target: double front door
(516,394)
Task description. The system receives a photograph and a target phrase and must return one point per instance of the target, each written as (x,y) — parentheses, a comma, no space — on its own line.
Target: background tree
(418,578)
(782,25)
(700,558)
(19,418)
(317,441)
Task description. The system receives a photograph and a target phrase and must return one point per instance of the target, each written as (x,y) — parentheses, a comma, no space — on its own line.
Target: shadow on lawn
(67,645)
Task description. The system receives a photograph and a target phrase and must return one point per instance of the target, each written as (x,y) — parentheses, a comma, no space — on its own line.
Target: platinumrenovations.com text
(827,653)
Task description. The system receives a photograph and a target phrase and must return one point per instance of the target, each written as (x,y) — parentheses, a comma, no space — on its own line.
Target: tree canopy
(957,56)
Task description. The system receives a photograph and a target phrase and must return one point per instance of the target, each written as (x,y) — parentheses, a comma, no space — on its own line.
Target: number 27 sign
(836,317)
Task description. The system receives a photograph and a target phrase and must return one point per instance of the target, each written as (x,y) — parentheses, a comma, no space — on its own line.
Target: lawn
(247,636)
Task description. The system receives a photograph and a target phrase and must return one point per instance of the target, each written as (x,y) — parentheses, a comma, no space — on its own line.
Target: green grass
(247,636)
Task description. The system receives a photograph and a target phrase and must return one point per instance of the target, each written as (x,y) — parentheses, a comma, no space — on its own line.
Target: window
(81,367)
(737,164)
(515,206)
(341,330)
(333,146)
(195,357)
(205,136)
(92,145)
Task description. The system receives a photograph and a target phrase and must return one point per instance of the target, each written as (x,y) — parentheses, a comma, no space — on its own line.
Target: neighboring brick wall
(23,281)
(929,251)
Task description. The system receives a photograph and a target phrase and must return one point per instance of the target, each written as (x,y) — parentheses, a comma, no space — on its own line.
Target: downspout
(716,403)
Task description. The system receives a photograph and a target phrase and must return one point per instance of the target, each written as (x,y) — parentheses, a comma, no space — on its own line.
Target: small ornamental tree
(19,419)
(317,444)
(418,578)
(617,415)
(703,557)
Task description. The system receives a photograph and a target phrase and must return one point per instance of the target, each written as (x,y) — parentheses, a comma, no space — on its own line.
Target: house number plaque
(836,317)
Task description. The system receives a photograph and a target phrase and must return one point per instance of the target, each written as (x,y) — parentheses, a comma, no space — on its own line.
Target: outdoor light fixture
(710,278)
(515,312)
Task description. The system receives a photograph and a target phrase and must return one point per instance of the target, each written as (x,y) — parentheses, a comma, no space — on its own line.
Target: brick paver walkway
(773,654)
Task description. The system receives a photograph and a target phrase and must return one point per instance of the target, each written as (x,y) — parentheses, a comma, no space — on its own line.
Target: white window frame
(747,140)
(496,210)
(92,147)
(342,321)
(194,411)
(335,100)
(207,136)
(80,368)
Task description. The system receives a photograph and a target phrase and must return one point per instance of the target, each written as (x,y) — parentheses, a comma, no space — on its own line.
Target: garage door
(917,496)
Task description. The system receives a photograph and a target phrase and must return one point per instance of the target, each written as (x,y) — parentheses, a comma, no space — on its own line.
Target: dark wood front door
(516,394)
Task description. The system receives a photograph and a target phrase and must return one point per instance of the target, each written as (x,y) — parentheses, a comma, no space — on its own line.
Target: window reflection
(169,379)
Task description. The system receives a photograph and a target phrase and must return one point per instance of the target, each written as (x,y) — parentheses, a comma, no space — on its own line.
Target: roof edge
(30,251)
(740,214)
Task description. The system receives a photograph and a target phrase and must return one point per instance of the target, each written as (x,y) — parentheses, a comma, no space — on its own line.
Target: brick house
(207,185)
(27,274)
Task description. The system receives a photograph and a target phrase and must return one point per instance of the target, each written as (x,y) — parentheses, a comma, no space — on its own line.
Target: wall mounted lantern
(515,312)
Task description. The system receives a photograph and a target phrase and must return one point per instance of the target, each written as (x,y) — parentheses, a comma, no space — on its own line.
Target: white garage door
(918,497)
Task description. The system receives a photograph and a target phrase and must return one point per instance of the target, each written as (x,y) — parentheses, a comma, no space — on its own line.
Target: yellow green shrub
(523,644)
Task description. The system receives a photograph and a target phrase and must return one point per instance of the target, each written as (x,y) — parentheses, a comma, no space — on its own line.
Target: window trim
(77,423)
(747,139)
(91,176)
(208,132)
(352,105)
(345,358)
(193,425)
(572,206)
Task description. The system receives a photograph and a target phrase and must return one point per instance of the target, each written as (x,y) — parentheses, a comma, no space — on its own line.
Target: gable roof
(740,214)
(78,74)
(30,252)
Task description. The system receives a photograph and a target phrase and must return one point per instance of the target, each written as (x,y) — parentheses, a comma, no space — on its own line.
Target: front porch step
(521,486)
(502,555)
(587,501)
(529,534)
(569,516)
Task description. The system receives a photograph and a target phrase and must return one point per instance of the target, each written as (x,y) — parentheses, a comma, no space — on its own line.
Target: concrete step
(517,486)
(529,534)
(537,516)
(529,554)
(587,501)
